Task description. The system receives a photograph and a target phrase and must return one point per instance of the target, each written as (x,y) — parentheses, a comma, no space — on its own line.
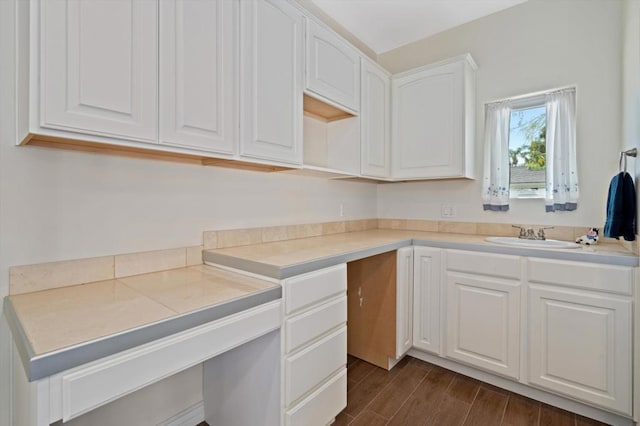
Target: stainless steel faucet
(529,234)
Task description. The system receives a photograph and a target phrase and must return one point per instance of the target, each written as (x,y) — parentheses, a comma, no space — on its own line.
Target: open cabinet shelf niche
(331,138)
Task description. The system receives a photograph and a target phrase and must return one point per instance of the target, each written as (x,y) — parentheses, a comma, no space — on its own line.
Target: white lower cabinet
(318,407)
(315,346)
(427,279)
(404,305)
(483,322)
(312,365)
(580,345)
(482,306)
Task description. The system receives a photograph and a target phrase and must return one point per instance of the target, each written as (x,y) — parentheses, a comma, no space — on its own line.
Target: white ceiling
(386,24)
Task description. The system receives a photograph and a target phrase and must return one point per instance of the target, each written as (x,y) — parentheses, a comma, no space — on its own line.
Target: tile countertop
(65,327)
(285,259)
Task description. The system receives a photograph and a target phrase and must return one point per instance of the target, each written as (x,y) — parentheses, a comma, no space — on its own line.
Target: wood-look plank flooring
(417,393)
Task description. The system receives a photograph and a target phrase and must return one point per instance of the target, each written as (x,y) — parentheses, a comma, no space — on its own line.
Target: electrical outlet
(341,210)
(448,210)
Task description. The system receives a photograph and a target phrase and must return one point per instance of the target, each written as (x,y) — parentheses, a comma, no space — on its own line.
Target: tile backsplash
(565,233)
(29,278)
(242,237)
(44,276)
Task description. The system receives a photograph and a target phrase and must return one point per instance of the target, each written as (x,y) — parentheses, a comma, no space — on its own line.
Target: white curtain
(561,166)
(495,186)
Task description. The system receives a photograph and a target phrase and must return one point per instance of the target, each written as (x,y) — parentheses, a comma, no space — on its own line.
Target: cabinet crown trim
(460,58)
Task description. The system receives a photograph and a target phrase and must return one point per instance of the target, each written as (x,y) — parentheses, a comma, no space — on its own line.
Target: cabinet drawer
(319,408)
(609,278)
(307,326)
(310,367)
(496,265)
(307,289)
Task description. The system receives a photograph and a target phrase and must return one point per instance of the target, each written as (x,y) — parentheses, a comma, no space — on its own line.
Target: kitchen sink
(519,242)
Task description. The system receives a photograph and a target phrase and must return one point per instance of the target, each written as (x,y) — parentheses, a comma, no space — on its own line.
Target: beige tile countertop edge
(284,259)
(39,363)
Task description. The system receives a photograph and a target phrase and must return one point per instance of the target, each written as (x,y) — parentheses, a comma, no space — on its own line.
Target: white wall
(57,205)
(534,46)
(631,85)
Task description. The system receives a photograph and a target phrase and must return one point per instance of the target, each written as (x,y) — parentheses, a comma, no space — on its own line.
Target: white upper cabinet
(375,123)
(271,81)
(98,67)
(433,120)
(198,69)
(332,67)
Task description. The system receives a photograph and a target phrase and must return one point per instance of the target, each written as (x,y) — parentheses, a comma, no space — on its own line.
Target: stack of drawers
(315,346)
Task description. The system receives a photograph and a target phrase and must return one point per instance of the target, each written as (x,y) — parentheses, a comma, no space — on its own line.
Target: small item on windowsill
(590,238)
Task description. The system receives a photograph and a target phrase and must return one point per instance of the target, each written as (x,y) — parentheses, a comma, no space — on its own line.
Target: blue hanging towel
(621,208)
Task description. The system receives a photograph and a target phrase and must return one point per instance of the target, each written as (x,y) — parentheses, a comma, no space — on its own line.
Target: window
(530,151)
(527,149)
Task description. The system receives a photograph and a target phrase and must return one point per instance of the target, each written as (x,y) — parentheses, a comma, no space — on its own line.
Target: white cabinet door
(99,69)
(580,345)
(404,299)
(375,121)
(198,57)
(427,279)
(483,322)
(332,67)
(432,121)
(271,81)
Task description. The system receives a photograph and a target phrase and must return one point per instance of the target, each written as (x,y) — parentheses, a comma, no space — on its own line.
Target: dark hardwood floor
(418,393)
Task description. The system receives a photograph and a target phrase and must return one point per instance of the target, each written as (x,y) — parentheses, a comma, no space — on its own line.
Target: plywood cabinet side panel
(371,300)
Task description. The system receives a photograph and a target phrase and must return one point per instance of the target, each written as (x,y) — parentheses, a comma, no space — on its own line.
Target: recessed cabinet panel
(99,67)
(483,323)
(375,121)
(404,299)
(198,74)
(271,82)
(332,67)
(427,278)
(580,346)
(432,120)
(426,113)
